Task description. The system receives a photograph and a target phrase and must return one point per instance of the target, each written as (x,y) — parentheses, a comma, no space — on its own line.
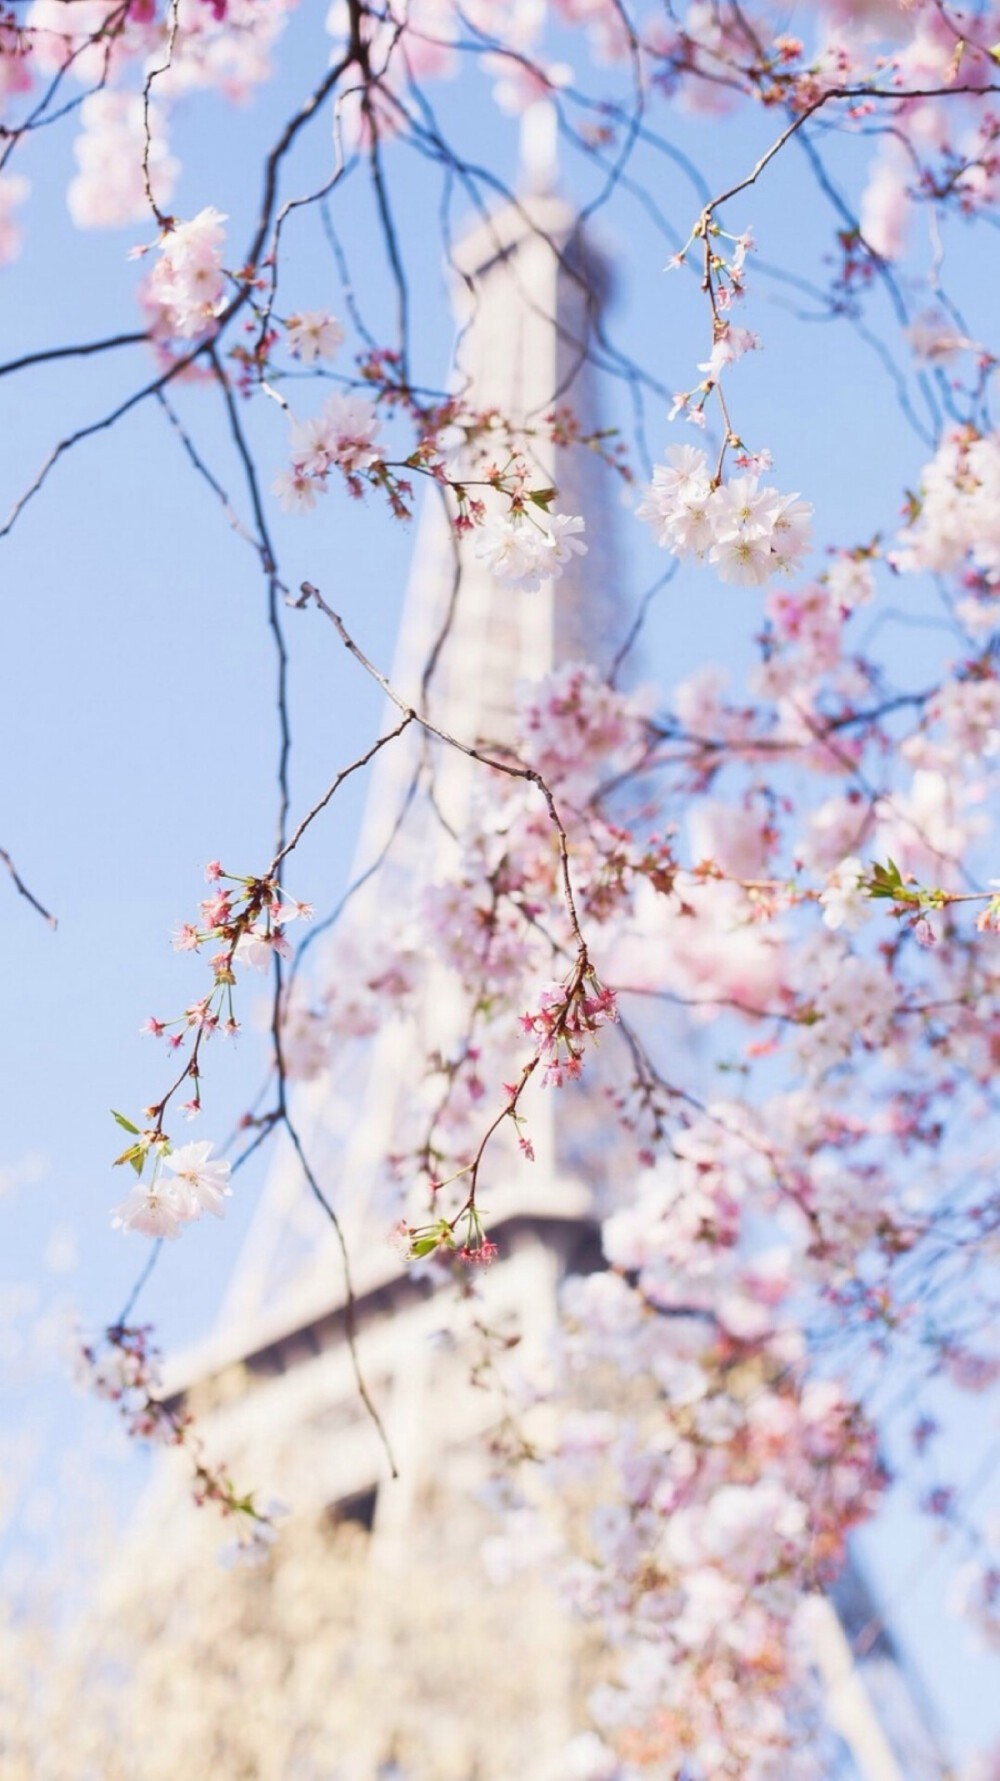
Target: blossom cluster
(713,1537)
(726,852)
(246,918)
(188,283)
(747,533)
(704,59)
(185,1183)
(341,435)
(566,1016)
(124,1369)
(126,170)
(579,732)
(724,1495)
(524,550)
(956,518)
(523,546)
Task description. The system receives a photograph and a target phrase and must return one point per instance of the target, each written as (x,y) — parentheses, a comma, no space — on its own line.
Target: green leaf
(542,498)
(887,881)
(126,1124)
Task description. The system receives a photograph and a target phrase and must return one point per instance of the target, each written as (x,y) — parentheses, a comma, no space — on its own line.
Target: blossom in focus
(742,558)
(683,482)
(189,1184)
(526,552)
(746,531)
(200,1184)
(567,542)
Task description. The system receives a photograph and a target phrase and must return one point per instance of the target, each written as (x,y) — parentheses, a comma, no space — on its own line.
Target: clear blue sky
(137,674)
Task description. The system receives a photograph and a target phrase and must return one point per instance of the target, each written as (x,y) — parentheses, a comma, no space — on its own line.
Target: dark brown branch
(23,890)
(51,353)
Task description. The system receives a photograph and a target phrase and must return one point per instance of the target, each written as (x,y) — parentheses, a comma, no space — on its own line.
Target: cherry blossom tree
(811,850)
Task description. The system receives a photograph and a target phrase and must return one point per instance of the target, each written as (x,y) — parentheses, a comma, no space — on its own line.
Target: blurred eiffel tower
(273,1391)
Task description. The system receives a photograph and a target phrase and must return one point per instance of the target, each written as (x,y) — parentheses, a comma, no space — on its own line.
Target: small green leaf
(542,498)
(887,881)
(126,1124)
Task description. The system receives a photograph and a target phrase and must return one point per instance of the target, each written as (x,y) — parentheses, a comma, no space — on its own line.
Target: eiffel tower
(273,1390)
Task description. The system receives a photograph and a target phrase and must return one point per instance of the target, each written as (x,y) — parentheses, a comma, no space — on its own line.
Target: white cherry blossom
(200,1184)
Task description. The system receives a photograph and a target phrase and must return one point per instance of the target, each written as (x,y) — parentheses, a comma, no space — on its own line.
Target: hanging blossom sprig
(245,917)
(723,284)
(567,1017)
(123,1368)
(746,531)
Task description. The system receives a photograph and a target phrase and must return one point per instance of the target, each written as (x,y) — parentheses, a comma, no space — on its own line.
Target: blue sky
(137,678)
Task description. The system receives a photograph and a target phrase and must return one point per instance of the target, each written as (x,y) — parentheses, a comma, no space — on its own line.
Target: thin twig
(334,786)
(513,768)
(23,890)
(350,1299)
